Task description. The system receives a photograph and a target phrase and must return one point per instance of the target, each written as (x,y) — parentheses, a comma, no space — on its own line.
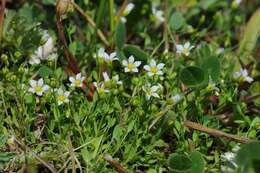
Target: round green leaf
(198,163)
(179,163)
(136,52)
(176,21)
(212,67)
(247,155)
(192,76)
(45,71)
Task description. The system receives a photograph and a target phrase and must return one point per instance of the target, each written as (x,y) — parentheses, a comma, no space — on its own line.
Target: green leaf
(180,163)
(251,33)
(28,98)
(198,162)
(211,66)
(120,35)
(45,71)
(136,52)
(100,12)
(6,156)
(118,133)
(192,76)
(176,21)
(73,47)
(247,155)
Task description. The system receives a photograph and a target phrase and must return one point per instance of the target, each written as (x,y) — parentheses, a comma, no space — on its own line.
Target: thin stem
(111,15)
(216,133)
(165,26)
(91,22)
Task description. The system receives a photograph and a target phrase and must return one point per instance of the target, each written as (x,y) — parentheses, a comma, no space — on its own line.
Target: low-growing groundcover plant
(129,86)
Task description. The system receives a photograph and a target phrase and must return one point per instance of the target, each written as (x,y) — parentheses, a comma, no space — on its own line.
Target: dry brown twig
(119,168)
(216,133)
(62,6)
(91,22)
(42,161)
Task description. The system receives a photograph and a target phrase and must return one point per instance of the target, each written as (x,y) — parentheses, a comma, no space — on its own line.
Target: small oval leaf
(198,162)
(192,76)
(120,35)
(136,52)
(179,163)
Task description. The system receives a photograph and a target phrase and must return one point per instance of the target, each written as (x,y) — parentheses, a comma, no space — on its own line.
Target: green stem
(111,14)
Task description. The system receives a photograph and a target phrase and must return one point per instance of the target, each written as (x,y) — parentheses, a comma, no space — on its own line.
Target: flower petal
(40,81)
(160,66)
(131,59)
(137,63)
(147,67)
(33,83)
(125,63)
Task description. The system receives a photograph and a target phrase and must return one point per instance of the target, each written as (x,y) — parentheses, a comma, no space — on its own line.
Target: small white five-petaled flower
(44,52)
(77,81)
(151,91)
(242,76)
(114,78)
(154,69)
(158,14)
(38,87)
(184,49)
(101,89)
(62,96)
(105,56)
(131,65)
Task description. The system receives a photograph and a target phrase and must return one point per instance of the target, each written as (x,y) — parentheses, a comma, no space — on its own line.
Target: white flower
(154,69)
(105,76)
(62,96)
(220,50)
(212,86)
(238,1)
(114,78)
(184,49)
(111,57)
(77,81)
(44,52)
(131,65)
(243,76)
(229,161)
(158,14)
(105,56)
(151,91)
(38,87)
(176,98)
(123,19)
(101,88)
(128,9)
(101,52)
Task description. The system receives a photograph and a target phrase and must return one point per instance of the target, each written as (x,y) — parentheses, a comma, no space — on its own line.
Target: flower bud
(64,6)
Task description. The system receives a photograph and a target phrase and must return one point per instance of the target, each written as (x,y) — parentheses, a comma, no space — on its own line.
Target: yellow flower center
(186,51)
(38,88)
(61,98)
(130,66)
(154,69)
(77,82)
